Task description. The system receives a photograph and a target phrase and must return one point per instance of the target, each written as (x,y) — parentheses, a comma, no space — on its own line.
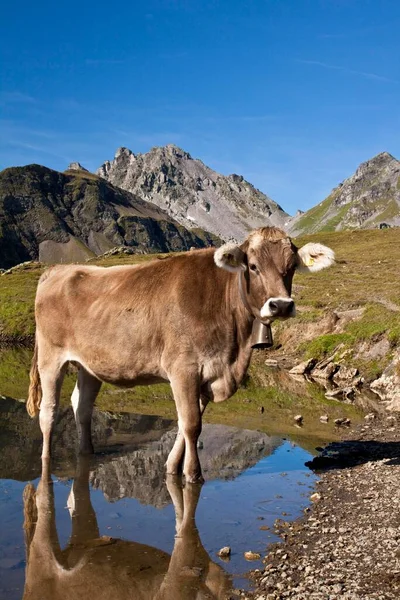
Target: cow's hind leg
(175,458)
(186,392)
(83,397)
(51,378)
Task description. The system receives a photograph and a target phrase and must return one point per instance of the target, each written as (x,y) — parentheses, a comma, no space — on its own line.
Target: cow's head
(268,260)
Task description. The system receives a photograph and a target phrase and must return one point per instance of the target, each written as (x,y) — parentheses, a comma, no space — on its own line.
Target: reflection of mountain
(21,439)
(112,568)
(226,452)
(133,450)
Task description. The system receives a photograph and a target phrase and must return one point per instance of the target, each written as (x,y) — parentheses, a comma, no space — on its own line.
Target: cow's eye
(253,268)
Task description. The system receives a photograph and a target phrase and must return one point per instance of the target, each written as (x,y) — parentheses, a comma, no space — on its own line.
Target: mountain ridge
(193,193)
(366,199)
(72,216)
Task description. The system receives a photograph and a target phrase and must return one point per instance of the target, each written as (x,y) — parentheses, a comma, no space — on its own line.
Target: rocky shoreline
(347,545)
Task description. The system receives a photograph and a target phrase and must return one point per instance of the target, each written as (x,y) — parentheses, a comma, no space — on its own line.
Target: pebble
(224,552)
(249,555)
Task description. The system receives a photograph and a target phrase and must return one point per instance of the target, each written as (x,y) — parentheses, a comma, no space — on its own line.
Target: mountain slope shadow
(107,567)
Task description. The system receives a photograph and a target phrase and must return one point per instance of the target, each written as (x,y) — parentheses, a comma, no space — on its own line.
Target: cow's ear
(314,257)
(230,257)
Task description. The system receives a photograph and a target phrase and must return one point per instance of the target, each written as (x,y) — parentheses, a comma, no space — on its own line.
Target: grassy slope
(367,274)
(312,218)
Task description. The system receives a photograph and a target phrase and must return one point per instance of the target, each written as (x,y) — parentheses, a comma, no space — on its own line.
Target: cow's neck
(243,329)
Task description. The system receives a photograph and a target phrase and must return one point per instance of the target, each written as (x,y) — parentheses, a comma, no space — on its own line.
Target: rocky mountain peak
(192,193)
(174,150)
(122,151)
(375,164)
(366,199)
(76,166)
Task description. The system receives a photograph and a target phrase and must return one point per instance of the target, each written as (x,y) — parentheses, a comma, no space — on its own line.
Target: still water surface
(112,526)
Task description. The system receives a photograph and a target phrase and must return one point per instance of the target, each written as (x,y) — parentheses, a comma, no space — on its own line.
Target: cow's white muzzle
(278,308)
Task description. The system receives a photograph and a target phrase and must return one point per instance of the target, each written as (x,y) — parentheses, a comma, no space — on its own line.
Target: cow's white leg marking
(83,397)
(186,390)
(83,516)
(175,457)
(51,378)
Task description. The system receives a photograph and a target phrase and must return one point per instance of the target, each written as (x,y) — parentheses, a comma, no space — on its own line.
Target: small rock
(324,418)
(370,417)
(252,555)
(225,552)
(345,374)
(298,418)
(344,394)
(342,421)
(271,362)
(315,497)
(325,372)
(303,367)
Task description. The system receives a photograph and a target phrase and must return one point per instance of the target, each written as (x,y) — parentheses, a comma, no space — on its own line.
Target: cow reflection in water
(100,567)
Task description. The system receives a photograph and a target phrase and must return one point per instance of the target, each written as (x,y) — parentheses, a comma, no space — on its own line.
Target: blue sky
(292,94)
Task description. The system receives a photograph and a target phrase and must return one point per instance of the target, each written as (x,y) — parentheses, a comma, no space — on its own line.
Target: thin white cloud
(16,97)
(331,36)
(365,74)
(11,128)
(241,119)
(100,62)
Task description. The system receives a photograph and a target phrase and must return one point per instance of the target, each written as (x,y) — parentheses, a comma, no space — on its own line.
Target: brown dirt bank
(347,545)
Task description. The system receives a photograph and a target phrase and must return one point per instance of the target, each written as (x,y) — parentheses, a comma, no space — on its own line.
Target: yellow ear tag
(310,262)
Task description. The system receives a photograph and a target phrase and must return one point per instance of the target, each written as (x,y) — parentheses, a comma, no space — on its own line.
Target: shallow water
(116,530)
(108,526)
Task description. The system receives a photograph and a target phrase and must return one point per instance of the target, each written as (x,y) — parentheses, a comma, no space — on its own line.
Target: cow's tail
(30,516)
(35,387)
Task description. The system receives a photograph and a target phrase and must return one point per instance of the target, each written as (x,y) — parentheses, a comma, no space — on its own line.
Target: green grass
(334,222)
(17,293)
(367,269)
(390,210)
(325,345)
(367,276)
(313,217)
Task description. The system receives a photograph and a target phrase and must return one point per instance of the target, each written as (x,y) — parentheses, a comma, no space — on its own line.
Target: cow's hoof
(173,470)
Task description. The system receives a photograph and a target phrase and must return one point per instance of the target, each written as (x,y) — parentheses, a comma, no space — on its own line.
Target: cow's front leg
(175,458)
(186,392)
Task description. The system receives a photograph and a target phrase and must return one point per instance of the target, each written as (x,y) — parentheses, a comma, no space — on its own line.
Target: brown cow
(187,320)
(111,568)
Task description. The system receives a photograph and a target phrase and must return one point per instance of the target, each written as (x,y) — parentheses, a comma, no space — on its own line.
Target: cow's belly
(116,349)
(123,367)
